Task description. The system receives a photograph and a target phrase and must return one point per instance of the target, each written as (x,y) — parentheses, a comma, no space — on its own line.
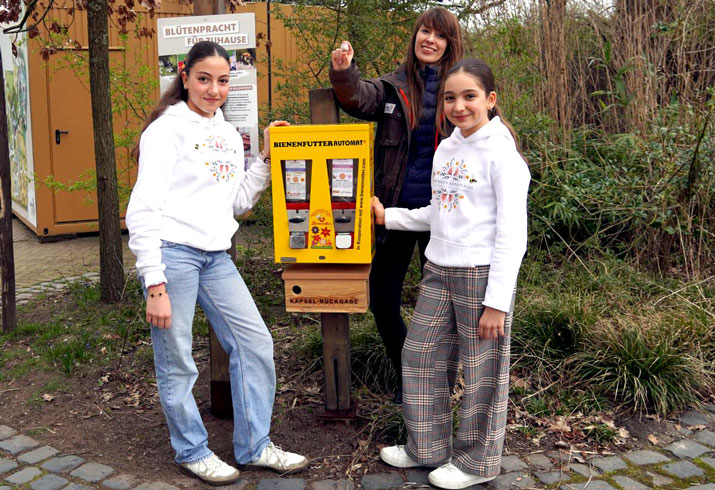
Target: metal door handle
(58,135)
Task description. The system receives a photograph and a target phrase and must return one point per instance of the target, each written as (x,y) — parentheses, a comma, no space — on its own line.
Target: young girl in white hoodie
(477,222)
(191,184)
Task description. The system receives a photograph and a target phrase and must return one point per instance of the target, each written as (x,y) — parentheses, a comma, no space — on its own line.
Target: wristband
(162,293)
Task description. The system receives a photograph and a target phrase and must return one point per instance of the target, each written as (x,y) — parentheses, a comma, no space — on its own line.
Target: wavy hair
(444,21)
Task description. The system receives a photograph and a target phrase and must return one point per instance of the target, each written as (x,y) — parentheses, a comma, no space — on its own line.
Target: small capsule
(345,46)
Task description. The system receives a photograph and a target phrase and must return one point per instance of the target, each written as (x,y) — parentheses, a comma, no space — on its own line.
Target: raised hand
(342,56)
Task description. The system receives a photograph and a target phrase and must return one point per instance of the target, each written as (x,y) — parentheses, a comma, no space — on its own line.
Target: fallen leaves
(132,400)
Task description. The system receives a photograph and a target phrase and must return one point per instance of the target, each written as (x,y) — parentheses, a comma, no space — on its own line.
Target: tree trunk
(111,270)
(7,256)
(556,87)
(209,7)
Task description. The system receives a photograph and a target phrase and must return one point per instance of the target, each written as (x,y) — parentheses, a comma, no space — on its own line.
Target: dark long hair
(485,78)
(444,21)
(176,91)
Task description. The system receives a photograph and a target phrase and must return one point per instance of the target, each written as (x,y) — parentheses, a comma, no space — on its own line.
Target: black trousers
(389,267)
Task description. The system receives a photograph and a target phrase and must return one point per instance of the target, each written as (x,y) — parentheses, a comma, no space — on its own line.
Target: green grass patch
(605,330)
(74,330)
(643,369)
(600,433)
(709,470)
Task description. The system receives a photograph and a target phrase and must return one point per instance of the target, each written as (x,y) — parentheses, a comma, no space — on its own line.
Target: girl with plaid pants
(477,222)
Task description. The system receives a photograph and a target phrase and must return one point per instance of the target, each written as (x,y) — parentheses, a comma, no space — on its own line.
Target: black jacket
(380,100)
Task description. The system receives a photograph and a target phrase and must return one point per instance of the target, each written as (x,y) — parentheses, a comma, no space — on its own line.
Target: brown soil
(110,414)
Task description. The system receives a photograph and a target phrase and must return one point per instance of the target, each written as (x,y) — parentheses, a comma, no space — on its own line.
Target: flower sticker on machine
(321,229)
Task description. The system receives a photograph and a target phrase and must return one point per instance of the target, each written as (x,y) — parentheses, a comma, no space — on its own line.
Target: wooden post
(205,7)
(336,360)
(335,326)
(323,106)
(7,255)
(221,401)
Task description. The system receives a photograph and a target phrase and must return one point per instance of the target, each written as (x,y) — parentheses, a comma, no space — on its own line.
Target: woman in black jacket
(403,105)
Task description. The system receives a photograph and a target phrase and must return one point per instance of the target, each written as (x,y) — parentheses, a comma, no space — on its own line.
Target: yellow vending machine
(322,217)
(322,187)
(323,233)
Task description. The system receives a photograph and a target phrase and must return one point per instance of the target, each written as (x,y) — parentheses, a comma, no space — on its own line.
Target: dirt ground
(110,413)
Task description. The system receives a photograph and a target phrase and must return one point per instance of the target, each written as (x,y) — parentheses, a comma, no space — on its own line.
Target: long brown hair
(444,21)
(485,78)
(176,91)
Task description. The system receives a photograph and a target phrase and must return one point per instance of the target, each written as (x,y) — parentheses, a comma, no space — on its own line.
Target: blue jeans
(212,279)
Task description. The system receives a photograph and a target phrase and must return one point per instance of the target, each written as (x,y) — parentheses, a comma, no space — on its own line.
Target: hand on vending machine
(342,56)
(378,211)
(266,152)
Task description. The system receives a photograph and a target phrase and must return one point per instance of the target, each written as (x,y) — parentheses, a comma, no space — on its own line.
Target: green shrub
(641,368)
(543,336)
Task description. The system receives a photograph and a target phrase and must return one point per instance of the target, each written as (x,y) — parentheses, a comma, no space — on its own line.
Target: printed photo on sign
(242,59)
(168,65)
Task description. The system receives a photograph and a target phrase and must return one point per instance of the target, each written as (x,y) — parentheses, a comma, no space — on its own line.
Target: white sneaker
(211,470)
(397,456)
(275,458)
(452,478)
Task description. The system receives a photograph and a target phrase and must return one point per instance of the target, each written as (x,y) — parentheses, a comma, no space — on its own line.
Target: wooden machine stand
(333,290)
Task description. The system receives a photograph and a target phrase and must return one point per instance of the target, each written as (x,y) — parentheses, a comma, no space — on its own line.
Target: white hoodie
(477,215)
(191,184)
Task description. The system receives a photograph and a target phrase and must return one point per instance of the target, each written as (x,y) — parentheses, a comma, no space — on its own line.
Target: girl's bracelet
(161,293)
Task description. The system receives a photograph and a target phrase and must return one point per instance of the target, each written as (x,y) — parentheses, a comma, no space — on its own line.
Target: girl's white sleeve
(408,219)
(510,181)
(157,156)
(255,181)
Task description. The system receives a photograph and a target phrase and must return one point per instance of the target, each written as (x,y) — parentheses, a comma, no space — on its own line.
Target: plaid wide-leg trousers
(447,311)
